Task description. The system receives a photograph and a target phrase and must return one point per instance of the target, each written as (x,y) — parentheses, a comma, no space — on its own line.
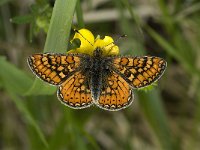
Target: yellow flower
(89,43)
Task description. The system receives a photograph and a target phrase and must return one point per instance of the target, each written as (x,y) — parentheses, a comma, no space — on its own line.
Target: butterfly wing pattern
(139,71)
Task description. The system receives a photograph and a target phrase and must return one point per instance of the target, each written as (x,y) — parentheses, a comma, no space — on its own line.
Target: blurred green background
(166,117)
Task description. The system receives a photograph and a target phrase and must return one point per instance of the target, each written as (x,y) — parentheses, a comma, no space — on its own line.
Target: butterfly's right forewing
(139,71)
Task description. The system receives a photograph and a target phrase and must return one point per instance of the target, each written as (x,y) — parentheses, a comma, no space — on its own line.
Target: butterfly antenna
(75,30)
(120,37)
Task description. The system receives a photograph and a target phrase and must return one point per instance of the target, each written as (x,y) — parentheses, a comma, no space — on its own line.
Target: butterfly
(106,81)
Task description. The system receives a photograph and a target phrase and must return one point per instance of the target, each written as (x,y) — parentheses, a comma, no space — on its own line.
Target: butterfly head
(98,52)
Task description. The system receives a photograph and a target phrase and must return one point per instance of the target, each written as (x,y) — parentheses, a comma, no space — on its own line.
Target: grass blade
(153,110)
(79,15)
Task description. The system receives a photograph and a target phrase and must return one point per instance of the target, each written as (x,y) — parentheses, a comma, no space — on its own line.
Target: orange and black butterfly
(106,81)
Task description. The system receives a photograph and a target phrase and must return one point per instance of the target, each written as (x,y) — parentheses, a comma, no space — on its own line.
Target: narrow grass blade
(166,17)
(150,103)
(25,112)
(58,137)
(134,17)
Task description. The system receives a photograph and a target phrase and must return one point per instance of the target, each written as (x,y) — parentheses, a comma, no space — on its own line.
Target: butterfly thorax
(97,70)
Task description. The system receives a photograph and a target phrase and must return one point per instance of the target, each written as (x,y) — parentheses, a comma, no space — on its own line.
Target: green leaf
(57,38)
(149,87)
(22,19)
(40,87)
(17,80)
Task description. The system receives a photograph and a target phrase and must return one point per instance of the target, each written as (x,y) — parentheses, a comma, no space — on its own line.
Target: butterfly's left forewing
(54,68)
(139,71)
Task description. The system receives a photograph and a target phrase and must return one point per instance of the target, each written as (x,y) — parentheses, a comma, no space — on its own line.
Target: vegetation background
(166,117)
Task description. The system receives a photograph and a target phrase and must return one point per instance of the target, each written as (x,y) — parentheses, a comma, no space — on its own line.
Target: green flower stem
(57,39)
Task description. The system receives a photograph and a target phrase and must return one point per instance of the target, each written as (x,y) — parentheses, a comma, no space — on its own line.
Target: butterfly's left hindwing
(75,92)
(54,68)
(139,71)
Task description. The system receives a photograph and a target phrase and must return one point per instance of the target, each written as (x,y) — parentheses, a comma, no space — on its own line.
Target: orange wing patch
(74,92)
(116,94)
(140,71)
(53,68)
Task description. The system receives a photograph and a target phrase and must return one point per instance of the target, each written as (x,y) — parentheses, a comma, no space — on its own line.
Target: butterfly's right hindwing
(116,94)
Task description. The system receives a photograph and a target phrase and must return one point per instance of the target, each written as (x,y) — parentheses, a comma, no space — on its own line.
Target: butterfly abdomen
(96,78)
